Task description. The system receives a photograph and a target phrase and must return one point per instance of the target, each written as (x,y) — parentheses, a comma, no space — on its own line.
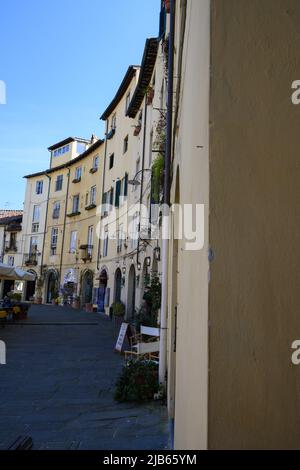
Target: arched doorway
(30,287)
(51,286)
(87,287)
(102,290)
(118,285)
(131,293)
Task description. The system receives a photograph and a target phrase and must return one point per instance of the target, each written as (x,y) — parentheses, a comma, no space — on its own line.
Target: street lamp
(135,181)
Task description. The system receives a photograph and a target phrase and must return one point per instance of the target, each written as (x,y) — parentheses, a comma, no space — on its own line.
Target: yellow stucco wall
(188,273)
(254,225)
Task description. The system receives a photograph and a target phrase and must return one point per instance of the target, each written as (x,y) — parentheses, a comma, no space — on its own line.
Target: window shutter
(118,192)
(111,197)
(126,185)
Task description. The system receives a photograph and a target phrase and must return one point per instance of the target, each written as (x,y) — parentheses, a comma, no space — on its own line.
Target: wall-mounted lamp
(157,253)
(124,270)
(148,261)
(139,266)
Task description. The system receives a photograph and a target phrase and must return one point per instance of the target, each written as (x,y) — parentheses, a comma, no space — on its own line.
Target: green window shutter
(118,191)
(126,185)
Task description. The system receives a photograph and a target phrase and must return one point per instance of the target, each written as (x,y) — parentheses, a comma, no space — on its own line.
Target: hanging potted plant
(168,5)
(150,95)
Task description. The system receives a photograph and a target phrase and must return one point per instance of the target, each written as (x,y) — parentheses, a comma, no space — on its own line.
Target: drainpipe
(142,180)
(103,182)
(64,229)
(45,227)
(167,179)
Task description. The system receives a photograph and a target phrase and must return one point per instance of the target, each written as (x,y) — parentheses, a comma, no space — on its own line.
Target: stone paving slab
(58,383)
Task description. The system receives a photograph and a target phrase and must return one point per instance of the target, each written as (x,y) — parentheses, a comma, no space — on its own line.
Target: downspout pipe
(45,227)
(102,192)
(142,179)
(166,200)
(64,230)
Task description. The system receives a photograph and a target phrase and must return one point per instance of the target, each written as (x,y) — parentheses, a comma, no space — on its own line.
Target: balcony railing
(86,252)
(30,259)
(11,246)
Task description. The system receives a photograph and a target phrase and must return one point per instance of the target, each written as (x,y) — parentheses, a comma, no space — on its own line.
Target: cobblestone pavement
(57,386)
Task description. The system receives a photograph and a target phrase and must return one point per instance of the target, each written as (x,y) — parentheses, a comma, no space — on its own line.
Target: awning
(10,272)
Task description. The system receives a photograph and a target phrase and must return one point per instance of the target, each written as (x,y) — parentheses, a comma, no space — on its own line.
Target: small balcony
(93,170)
(90,206)
(30,259)
(110,134)
(86,252)
(11,246)
(76,180)
(73,214)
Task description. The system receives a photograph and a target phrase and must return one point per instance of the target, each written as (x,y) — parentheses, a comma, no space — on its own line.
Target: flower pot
(89,308)
(168,5)
(150,96)
(137,130)
(76,304)
(38,300)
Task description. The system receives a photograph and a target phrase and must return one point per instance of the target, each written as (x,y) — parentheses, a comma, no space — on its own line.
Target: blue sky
(61,61)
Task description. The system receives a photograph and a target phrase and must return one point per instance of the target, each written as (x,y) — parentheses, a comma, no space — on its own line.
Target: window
(86,199)
(35,227)
(134,231)
(33,247)
(75,204)
(39,187)
(121,238)
(90,240)
(127,103)
(36,214)
(11,261)
(125,144)
(105,243)
(96,162)
(59,183)
(73,242)
(93,195)
(78,172)
(54,237)
(114,121)
(61,151)
(56,210)
(35,219)
(111,161)
(81,147)
(123,184)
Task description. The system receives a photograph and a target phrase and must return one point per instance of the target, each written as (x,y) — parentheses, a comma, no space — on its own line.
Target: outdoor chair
(143,351)
(147,334)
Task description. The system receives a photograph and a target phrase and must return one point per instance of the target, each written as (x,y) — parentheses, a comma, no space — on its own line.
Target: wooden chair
(147,334)
(143,351)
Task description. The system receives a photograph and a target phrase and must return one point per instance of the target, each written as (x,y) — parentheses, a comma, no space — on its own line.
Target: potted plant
(118,309)
(89,308)
(38,296)
(150,95)
(168,5)
(138,381)
(137,130)
(76,302)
